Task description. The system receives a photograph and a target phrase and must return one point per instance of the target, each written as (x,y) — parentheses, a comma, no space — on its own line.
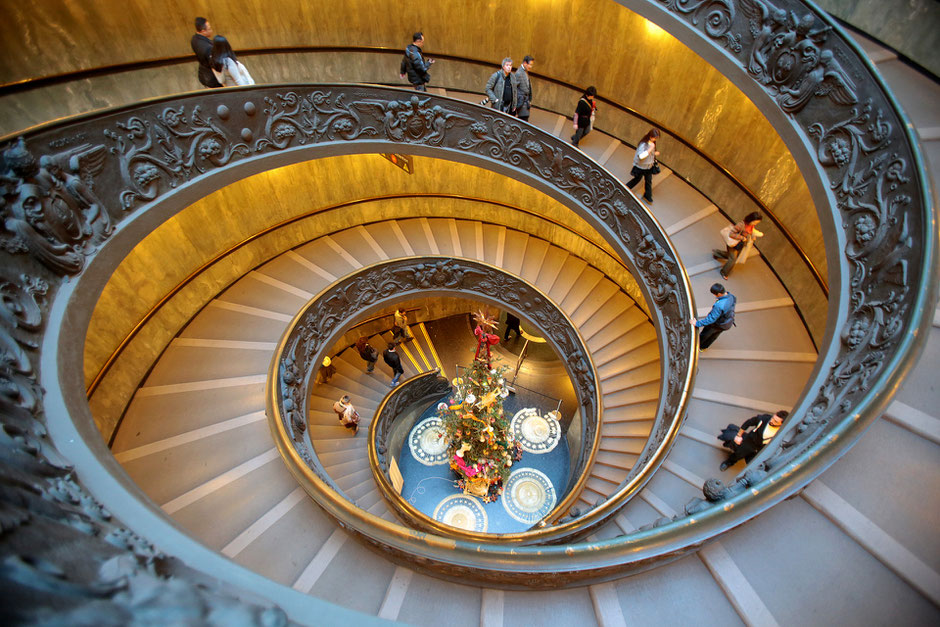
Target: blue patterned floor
(531,491)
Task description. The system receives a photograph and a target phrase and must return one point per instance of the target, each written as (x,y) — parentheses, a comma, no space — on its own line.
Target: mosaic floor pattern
(463,512)
(529,495)
(535,432)
(427,443)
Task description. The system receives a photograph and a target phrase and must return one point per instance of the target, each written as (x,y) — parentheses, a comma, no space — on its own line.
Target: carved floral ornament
(64,188)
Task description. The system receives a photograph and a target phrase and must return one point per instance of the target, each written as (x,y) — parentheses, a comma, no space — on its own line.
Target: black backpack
(726,321)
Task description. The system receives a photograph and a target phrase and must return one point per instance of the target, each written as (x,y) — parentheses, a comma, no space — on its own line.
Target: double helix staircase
(195,440)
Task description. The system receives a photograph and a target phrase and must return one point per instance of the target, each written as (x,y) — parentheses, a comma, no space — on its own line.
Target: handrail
(381,284)
(138,327)
(36,82)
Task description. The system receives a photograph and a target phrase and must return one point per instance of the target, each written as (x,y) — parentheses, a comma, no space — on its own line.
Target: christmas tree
(481,445)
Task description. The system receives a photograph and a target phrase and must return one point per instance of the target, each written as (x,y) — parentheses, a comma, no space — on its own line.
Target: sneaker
(724,466)
(723,275)
(649,200)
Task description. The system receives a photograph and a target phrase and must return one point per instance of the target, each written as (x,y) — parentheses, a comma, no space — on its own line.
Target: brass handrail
(42,81)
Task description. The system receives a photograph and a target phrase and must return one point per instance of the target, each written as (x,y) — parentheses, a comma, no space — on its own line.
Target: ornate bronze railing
(136,165)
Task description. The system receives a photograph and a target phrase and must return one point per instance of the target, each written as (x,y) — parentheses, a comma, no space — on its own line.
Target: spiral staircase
(858,542)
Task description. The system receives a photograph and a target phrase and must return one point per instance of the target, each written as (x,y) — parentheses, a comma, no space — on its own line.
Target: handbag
(655,169)
(726,236)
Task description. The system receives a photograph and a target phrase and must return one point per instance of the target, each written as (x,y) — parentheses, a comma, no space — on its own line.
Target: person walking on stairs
(751,437)
(739,239)
(584,115)
(347,414)
(644,163)
(400,328)
(501,88)
(719,319)
(368,353)
(393,360)
(524,88)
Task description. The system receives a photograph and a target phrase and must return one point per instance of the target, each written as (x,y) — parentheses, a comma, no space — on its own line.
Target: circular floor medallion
(535,432)
(529,495)
(463,512)
(426,442)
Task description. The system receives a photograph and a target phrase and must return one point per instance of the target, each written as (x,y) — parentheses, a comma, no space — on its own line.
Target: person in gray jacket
(501,88)
(524,88)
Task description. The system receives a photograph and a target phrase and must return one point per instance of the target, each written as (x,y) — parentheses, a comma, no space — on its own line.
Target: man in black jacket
(393,359)
(415,66)
(752,436)
(202,46)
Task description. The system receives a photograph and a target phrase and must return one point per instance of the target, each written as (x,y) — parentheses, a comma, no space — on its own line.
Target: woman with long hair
(584,115)
(644,162)
(227,68)
(737,239)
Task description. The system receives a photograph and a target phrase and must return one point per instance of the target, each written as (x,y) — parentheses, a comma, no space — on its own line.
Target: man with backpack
(719,319)
(414,66)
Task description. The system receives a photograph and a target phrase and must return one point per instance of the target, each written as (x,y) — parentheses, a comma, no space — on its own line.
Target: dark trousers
(743,451)
(580,133)
(730,256)
(709,334)
(647,175)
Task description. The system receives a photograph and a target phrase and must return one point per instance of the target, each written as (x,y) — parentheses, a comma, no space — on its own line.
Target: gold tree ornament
(481,318)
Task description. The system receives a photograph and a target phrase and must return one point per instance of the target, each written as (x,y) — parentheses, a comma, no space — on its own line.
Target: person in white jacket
(227,68)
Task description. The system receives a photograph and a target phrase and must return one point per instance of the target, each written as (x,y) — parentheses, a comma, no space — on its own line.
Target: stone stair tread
(599,296)
(300,270)
(554,260)
(638,411)
(325,254)
(618,303)
(623,461)
(566,278)
(582,290)
(641,374)
(536,252)
(619,339)
(514,251)
(251,291)
(637,394)
(186,364)
(223,324)
(641,356)
(626,429)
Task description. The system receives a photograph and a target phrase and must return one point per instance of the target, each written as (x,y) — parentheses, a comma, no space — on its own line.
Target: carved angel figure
(49,208)
(826,79)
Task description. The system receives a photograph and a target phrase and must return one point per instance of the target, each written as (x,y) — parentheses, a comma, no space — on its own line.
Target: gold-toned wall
(221,220)
(581,42)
